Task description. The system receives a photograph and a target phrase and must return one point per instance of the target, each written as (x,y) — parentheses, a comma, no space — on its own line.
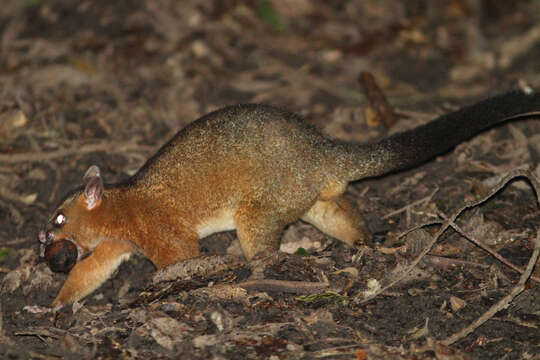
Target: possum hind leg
(259,229)
(340,219)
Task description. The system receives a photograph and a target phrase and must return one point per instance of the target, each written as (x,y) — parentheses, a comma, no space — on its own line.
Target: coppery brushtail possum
(252,168)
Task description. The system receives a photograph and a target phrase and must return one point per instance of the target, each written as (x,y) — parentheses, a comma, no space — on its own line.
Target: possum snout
(45,237)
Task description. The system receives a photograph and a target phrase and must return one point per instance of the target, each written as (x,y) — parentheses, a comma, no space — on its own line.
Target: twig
(16,241)
(504,302)
(444,261)
(293,287)
(15,214)
(35,355)
(335,351)
(495,254)
(84,149)
(415,262)
(56,185)
(517,46)
(42,332)
(414,228)
(446,224)
(408,206)
(376,100)
(197,267)
(422,116)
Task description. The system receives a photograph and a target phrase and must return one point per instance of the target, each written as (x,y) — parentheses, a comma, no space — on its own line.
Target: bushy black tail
(420,144)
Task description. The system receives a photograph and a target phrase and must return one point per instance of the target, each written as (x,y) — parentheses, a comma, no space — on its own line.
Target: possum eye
(59,219)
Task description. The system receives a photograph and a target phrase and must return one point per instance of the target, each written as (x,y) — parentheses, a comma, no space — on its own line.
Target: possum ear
(93,187)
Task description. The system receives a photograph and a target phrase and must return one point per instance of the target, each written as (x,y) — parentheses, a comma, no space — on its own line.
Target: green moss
(442,205)
(267,13)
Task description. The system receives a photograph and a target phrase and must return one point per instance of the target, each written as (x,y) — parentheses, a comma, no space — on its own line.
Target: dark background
(106,82)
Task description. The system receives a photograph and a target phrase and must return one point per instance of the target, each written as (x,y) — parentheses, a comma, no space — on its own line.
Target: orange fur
(251,168)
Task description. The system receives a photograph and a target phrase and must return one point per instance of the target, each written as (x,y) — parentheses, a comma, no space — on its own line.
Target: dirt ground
(107,82)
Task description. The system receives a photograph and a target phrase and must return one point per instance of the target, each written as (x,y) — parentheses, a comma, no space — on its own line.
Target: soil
(106,83)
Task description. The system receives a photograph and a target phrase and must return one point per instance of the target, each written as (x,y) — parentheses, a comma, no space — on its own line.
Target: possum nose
(45,237)
(42,237)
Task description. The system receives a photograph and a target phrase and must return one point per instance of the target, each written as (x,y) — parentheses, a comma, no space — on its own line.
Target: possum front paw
(88,274)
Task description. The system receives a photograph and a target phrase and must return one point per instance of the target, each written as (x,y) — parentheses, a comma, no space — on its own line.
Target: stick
(376,99)
(504,302)
(284,286)
(84,149)
(495,254)
(408,206)
(511,175)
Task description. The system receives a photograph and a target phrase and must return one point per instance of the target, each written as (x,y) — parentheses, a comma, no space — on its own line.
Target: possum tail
(413,147)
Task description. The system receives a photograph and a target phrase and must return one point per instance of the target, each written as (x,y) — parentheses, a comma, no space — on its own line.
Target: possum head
(72,231)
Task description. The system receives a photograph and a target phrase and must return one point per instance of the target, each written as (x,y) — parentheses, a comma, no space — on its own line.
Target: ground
(106,83)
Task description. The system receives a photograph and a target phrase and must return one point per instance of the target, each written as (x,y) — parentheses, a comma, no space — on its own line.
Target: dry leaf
(349,270)
(29,199)
(166,331)
(457,303)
